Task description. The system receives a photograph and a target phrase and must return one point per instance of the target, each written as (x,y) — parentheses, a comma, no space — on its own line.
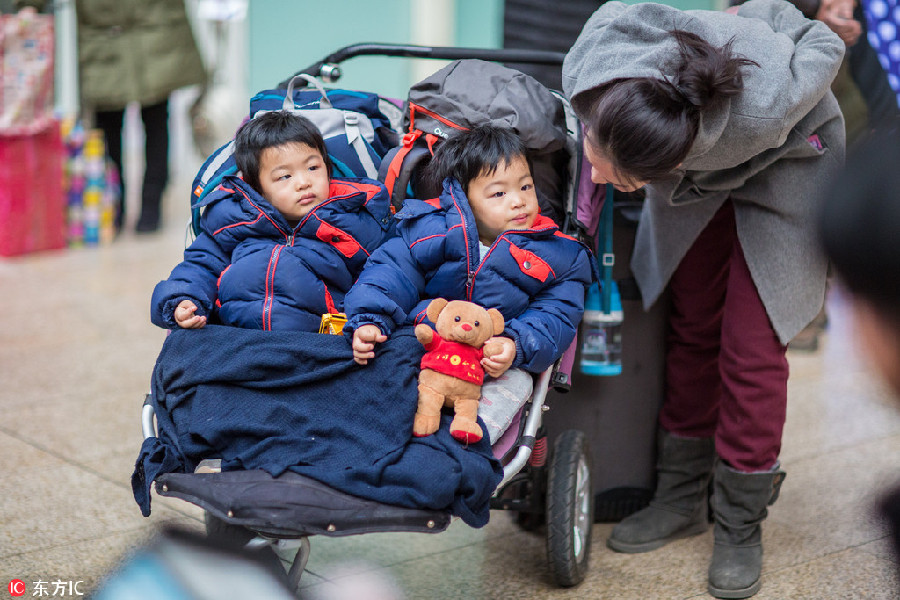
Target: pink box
(32,205)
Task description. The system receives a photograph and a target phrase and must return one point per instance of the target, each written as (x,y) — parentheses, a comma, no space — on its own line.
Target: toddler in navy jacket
(281,245)
(483,240)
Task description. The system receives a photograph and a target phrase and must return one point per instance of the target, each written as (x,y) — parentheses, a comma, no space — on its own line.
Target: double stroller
(542,485)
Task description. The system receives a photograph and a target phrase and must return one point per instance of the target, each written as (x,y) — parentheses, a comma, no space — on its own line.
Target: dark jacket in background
(134,50)
(544,25)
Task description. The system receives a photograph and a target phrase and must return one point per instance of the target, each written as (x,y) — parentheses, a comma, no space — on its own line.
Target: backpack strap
(358,143)
(219,164)
(351,121)
(288,103)
(606,258)
(209,176)
(398,165)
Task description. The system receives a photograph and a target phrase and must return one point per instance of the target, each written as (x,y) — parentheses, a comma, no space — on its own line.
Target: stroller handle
(329,70)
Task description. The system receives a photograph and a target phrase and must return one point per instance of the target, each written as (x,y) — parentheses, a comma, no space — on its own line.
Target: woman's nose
(596,178)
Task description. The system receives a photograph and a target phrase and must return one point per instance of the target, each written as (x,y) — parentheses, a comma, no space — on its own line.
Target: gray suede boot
(739,505)
(679,507)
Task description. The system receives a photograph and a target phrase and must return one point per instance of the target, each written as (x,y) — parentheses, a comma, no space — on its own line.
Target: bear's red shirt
(454,359)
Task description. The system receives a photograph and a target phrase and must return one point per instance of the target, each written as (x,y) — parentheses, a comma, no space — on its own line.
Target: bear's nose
(466,327)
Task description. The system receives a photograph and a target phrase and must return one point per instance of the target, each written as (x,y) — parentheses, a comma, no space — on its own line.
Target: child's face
(503,200)
(293,178)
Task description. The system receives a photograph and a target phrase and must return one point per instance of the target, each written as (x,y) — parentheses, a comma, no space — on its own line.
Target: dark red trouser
(726,370)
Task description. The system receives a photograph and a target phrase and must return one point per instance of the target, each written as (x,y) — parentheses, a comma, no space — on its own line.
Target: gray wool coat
(755,148)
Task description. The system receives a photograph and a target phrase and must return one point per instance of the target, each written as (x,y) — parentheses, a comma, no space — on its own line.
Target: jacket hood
(622,42)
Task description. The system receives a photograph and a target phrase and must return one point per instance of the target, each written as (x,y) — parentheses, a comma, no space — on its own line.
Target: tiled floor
(76,351)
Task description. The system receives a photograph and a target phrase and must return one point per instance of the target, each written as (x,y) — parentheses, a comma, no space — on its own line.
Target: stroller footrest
(292,505)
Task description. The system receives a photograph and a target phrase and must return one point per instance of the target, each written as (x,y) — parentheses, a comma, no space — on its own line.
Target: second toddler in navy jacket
(483,240)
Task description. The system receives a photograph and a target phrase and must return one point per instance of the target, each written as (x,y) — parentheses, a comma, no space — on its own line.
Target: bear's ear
(434,309)
(497,320)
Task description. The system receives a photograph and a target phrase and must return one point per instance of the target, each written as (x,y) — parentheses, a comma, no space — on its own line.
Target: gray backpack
(473,92)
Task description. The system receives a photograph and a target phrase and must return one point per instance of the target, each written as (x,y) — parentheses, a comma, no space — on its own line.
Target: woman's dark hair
(472,153)
(269,130)
(646,126)
(859,222)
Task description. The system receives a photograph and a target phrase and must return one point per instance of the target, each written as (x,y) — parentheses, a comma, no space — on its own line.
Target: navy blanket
(294,401)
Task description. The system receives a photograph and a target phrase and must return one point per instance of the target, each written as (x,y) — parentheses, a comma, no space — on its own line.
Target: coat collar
(453,200)
(345,195)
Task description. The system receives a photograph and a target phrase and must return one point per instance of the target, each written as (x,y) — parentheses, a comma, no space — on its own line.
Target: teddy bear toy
(451,368)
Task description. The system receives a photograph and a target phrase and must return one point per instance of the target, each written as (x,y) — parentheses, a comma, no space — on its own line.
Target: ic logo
(16,587)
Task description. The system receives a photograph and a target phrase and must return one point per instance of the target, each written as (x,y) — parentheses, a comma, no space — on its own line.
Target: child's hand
(497,364)
(364,340)
(185,317)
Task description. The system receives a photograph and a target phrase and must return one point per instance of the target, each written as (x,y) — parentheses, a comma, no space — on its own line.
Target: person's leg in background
(686,451)
(156,171)
(110,122)
(752,410)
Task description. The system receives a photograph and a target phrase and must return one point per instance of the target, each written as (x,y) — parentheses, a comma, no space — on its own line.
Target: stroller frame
(543,485)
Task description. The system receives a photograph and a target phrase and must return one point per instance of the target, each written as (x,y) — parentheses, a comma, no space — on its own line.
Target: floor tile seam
(786,524)
(861,444)
(88,540)
(65,459)
(854,547)
(859,546)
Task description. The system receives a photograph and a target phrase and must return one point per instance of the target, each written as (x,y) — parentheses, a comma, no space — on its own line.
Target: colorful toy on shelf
(91,186)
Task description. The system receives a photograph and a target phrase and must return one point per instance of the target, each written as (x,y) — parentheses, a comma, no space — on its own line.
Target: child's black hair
(646,126)
(269,130)
(472,153)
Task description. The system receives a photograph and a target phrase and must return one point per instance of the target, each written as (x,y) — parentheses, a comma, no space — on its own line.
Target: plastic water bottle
(601,346)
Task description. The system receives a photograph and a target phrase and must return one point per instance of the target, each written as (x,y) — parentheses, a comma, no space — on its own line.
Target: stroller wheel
(236,537)
(569,508)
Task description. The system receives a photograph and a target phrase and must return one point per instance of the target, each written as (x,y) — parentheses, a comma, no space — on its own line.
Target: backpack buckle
(410,138)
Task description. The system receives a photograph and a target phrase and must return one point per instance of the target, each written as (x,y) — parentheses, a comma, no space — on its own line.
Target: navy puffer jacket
(249,268)
(535,277)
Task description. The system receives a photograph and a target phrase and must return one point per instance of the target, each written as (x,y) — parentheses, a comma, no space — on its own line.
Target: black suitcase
(619,414)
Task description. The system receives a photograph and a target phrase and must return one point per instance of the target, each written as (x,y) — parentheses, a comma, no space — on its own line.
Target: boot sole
(735,594)
(627,548)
